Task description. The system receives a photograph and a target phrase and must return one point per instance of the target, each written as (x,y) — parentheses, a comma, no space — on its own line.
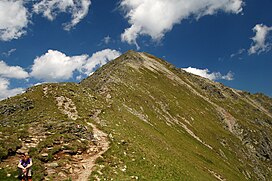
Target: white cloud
(260,43)
(56,66)
(5,91)
(106,39)
(98,59)
(206,73)
(12,71)
(13,19)
(156,17)
(79,77)
(50,8)
(8,53)
(239,52)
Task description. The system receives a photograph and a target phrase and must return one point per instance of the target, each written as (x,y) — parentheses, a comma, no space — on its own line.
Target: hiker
(24,167)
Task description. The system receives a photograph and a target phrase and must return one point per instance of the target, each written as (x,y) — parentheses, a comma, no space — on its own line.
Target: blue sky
(54,41)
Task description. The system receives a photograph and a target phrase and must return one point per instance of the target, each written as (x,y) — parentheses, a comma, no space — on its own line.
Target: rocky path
(82,163)
(88,163)
(101,145)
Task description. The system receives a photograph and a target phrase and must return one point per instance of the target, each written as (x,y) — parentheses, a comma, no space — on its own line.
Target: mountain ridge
(162,123)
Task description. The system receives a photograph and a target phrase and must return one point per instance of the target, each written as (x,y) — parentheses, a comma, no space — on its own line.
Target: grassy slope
(163,152)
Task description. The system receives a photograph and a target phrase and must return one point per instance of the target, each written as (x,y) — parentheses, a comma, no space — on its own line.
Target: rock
(71,170)
(34,139)
(57,142)
(134,177)
(22,150)
(53,164)
(78,157)
(44,154)
(108,96)
(28,141)
(68,151)
(32,145)
(99,172)
(76,170)
(124,168)
(123,142)
(61,174)
(48,133)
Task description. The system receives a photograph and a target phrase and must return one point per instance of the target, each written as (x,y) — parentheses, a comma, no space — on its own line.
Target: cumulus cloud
(5,91)
(156,17)
(98,59)
(56,66)
(260,43)
(12,71)
(13,19)
(14,16)
(77,8)
(207,74)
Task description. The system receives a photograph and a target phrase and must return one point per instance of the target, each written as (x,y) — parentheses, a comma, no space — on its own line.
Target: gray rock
(22,150)
(53,164)
(61,174)
(44,154)
(71,170)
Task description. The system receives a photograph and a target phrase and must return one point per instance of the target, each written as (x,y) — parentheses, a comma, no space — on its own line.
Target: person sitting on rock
(25,168)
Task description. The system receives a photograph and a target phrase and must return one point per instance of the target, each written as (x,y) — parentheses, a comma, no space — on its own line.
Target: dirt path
(88,162)
(85,166)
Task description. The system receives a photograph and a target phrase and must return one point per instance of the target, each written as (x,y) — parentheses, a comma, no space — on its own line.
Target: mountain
(138,118)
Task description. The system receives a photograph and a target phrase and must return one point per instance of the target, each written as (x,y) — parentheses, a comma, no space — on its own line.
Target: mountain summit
(138,118)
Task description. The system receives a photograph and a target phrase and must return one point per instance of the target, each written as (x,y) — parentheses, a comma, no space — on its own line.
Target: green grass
(174,152)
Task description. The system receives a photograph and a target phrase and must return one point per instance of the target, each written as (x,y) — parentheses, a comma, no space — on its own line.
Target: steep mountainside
(162,124)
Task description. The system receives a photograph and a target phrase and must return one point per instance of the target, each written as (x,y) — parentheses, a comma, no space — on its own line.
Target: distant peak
(131,52)
(132,55)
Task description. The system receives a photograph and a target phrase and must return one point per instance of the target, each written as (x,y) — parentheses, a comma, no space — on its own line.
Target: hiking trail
(88,163)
